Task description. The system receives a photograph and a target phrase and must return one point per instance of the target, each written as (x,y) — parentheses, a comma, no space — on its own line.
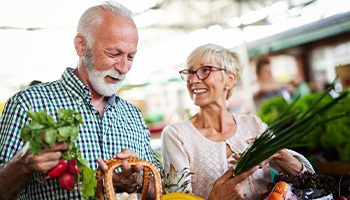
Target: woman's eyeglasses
(201,73)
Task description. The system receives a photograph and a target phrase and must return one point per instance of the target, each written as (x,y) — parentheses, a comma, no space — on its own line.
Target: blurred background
(306,41)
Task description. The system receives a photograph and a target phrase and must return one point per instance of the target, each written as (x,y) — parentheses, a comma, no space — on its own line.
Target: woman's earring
(227,88)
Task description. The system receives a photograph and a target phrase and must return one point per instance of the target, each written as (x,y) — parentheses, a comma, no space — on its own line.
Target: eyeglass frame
(192,72)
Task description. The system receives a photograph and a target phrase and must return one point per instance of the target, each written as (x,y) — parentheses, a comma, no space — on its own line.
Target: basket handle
(114,163)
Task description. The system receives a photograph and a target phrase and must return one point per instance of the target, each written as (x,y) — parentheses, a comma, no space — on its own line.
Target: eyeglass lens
(201,73)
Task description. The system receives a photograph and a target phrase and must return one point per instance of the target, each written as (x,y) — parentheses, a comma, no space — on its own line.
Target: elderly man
(106,43)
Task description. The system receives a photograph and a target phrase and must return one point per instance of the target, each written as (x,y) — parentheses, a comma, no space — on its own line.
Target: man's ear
(79,44)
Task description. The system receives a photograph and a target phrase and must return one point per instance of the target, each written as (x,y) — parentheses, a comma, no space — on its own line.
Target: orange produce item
(281,188)
(275,196)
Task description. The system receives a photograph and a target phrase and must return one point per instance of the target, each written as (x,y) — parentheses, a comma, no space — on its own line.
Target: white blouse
(184,146)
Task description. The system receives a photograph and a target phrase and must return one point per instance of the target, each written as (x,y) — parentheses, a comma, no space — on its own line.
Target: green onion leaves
(287,130)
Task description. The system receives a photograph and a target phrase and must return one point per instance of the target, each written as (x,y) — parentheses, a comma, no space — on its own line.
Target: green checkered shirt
(120,127)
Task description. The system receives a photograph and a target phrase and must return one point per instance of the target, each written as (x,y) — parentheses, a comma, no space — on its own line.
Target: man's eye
(131,58)
(113,55)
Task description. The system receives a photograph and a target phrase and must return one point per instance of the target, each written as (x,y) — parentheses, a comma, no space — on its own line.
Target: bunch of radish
(65,172)
(72,168)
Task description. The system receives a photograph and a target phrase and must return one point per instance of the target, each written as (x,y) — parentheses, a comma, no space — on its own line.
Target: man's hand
(42,162)
(23,165)
(129,178)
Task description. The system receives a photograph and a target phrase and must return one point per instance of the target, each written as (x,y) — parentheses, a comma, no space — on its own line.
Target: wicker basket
(105,184)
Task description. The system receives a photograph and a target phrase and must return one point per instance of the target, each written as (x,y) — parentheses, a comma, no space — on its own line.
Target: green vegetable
(44,126)
(327,136)
(44,129)
(288,129)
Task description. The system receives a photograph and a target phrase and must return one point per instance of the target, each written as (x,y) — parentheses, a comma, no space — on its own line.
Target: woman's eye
(204,70)
(190,72)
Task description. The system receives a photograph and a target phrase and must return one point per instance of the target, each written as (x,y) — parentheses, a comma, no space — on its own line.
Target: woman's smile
(199,91)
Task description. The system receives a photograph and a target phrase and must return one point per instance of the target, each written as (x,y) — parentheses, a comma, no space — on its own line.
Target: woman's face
(209,91)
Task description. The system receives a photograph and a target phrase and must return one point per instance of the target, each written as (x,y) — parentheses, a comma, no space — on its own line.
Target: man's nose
(123,65)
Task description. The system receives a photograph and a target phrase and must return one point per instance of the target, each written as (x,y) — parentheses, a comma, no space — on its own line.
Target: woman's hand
(233,159)
(287,162)
(277,155)
(228,187)
(129,178)
(284,160)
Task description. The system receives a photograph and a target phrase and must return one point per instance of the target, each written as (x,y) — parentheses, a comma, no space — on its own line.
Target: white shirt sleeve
(173,152)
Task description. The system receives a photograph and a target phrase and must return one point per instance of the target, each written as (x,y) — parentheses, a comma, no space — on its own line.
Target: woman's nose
(194,79)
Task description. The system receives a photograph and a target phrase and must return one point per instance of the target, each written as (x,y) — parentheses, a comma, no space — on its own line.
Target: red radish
(72,167)
(340,198)
(66,181)
(58,170)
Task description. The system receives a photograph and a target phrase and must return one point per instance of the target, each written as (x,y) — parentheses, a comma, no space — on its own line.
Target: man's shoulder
(41,88)
(37,92)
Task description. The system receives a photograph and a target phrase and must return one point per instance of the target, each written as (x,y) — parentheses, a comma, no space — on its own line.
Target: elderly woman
(210,142)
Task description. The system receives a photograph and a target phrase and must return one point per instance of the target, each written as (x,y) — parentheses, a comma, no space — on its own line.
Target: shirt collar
(79,89)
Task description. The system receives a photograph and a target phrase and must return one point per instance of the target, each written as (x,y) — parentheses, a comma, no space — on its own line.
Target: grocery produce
(340,198)
(310,185)
(72,168)
(180,195)
(58,170)
(275,196)
(174,182)
(289,128)
(327,137)
(282,188)
(66,181)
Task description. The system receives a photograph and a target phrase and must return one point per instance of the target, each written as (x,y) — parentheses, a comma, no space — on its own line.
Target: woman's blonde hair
(226,58)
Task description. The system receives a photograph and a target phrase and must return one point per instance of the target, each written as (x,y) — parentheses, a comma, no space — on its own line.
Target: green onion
(287,130)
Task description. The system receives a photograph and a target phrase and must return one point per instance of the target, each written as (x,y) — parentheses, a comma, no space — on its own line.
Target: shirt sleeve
(12,120)
(307,167)
(150,155)
(174,153)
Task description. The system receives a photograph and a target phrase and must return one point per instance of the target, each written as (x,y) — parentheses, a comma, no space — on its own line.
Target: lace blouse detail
(184,146)
(206,158)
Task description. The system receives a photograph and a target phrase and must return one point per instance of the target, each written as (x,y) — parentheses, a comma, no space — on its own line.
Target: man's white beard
(96,77)
(100,86)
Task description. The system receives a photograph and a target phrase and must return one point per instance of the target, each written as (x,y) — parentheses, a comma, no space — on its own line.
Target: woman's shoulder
(250,117)
(177,131)
(178,126)
(250,122)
